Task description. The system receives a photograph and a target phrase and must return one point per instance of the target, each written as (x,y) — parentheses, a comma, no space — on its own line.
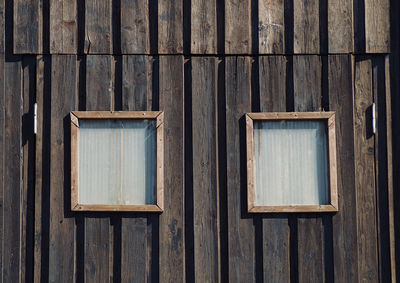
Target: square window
(117,161)
(291,162)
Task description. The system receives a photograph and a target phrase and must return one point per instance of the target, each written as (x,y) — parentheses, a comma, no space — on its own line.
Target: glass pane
(117,162)
(291,163)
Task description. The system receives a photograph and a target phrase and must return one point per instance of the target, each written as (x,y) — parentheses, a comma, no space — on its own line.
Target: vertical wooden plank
(344,223)
(365,174)
(27,165)
(97,229)
(340,23)
(12,172)
(203,27)
(136,230)
(271,27)
(98,18)
(135,33)
(170,26)
(2,24)
(377,26)
(307,97)
(390,175)
(63,27)
(62,229)
(276,233)
(137,83)
(26,26)
(2,158)
(306,26)
(238,27)
(241,232)
(205,187)
(171,237)
(38,170)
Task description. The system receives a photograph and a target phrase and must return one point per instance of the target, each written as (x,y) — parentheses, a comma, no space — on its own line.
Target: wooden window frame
(329,117)
(134,115)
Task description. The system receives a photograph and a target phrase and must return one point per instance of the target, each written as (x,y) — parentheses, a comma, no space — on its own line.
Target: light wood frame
(135,115)
(329,117)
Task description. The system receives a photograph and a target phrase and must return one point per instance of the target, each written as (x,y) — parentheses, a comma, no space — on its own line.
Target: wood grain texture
(26,26)
(38,171)
(344,223)
(134,249)
(241,232)
(364,166)
(272,77)
(63,27)
(205,187)
(171,237)
(307,97)
(137,75)
(2,25)
(340,23)
(271,27)
(136,231)
(170,26)
(97,229)
(2,160)
(98,38)
(306,26)
(390,176)
(62,229)
(27,165)
(135,32)
(12,197)
(276,233)
(377,26)
(203,27)
(238,27)
(307,83)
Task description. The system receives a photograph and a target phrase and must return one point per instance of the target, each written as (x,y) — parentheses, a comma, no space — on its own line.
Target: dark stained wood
(137,82)
(276,233)
(345,222)
(271,27)
(134,250)
(203,27)
(2,26)
(171,235)
(12,171)
(238,27)
(135,33)
(241,232)
(205,186)
(63,27)
(97,229)
(38,170)
(98,27)
(377,26)
(307,83)
(307,97)
(364,166)
(62,229)
(136,232)
(170,27)
(340,23)
(27,164)
(26,26)
(2,163)
(390,176)
(306,26)
(272,77)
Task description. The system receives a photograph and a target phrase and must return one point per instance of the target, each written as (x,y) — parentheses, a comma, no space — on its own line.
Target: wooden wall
(204,63)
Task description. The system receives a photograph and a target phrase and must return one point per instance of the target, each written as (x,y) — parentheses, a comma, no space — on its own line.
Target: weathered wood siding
(205,64)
